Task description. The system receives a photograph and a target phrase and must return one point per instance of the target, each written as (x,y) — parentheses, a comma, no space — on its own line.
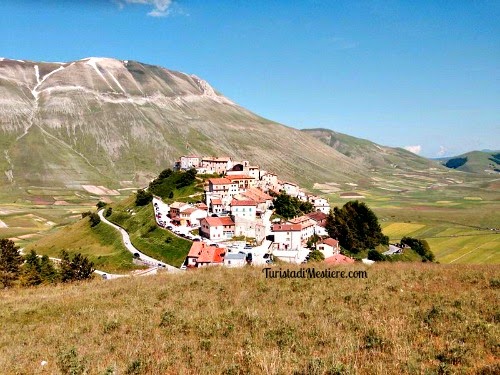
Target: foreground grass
(403,319)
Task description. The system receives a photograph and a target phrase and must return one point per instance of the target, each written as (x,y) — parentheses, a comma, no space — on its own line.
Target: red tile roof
(239,177)
(216,201)
(211,254)
(331,242)
(257,195)
(339,259)
(196,248)
(286,227)
(247,202)
(202,206)
(219,181)
(317,216)
(218,221)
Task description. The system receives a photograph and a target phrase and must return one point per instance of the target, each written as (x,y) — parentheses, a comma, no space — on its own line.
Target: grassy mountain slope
(105,121)
(402,319)
(474,162)
(103,244)
(370,154)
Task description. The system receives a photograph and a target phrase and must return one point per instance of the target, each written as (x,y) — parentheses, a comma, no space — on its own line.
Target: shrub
(143,197)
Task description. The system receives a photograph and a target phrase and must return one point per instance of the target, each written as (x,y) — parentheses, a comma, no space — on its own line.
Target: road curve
(128,244)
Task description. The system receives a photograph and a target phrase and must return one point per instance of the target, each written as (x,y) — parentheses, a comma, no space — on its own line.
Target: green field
(460,223)
(102,244)
(146,236)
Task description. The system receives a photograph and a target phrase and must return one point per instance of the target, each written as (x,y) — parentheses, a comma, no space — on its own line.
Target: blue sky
(401,73)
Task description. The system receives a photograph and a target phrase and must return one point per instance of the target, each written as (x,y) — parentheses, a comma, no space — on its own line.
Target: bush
(101,204)
(108,212)
(143,197)
(94,219)
(316,256)
(375,256)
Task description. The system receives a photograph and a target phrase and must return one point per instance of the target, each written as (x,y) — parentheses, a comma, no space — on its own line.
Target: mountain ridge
(119,122)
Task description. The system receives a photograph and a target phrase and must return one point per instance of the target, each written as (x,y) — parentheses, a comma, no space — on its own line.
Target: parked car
(169,227)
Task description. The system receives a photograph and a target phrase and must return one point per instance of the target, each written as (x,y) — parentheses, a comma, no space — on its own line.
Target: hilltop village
(234,221)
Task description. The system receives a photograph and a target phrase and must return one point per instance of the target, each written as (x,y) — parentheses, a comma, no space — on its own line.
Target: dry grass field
(409,318)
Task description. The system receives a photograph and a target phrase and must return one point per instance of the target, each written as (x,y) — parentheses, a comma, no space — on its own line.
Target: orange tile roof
(247,202)
(339,259)
(218,221)
(216,201)
(239,177)
(219,181)
(211,254)
(196,248)
(202,206)
(331,242)
(286,227)
(317,216)
(189,210)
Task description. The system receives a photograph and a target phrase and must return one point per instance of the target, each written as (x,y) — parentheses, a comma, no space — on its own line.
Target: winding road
(128,244)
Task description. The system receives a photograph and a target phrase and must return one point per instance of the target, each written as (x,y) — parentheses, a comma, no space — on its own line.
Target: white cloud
(161,8)
(442,151)
(415,149)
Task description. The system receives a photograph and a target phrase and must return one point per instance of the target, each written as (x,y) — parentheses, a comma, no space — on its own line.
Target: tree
(48,273)
(94,219)
(375,255)
(76,269)
(312,241)
(101,204)
(316,256)
(166,173)
(10,262)
(108,212)
(143,197)
(421,247)
(65,270)
(171,195)
(82,267)
(355,226)
(30,274)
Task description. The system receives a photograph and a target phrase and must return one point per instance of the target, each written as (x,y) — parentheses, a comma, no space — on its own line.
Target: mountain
(474,162)
(369,154)
(118,123)
(105,121)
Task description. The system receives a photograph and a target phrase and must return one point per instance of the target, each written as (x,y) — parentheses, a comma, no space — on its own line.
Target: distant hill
(370,154)
(474,162)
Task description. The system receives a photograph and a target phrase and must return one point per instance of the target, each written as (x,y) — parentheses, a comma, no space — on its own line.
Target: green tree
(76,269)
(101,204)
(48,272)
(94,219)
(355,226)
(65,270)
(108,212)
(30,274)
(421,247)
(312,241)
(171,195)
(143,197)
(316,256)
(10,262)
(166,173)
(375,255)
